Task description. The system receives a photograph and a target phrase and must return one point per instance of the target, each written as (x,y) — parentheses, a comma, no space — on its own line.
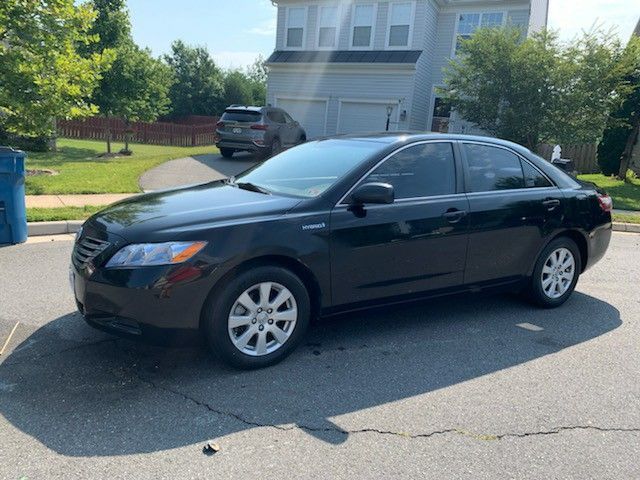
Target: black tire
(218,308)
(302,140)
(536,291)
(227,152)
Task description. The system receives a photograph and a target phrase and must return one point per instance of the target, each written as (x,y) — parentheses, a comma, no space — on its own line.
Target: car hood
(174,214)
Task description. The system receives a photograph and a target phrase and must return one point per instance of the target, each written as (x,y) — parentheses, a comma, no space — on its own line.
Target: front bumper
(161,304)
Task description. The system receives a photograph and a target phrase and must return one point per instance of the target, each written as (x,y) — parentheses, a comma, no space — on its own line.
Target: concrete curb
(37,229)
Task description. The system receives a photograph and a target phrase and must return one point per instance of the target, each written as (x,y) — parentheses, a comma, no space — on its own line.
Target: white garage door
(312,114)
(357,117)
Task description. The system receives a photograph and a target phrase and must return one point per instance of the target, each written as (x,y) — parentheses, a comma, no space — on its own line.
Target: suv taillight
(606,204)
(259,126)
(219,124)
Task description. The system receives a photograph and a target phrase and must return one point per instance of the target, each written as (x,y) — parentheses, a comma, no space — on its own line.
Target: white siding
(539,15)
(336,83)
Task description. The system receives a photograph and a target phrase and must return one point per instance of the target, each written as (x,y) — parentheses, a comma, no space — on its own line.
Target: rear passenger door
(513,208)
(285,130)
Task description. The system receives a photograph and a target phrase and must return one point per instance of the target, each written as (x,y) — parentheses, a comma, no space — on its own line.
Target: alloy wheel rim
(558,273)
(262,319)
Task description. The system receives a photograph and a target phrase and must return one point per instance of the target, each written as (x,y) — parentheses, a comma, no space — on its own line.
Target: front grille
(86,249)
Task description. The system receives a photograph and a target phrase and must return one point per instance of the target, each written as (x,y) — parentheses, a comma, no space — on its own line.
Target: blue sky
(236,31)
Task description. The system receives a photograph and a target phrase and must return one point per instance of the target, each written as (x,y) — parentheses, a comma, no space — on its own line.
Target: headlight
(147,254)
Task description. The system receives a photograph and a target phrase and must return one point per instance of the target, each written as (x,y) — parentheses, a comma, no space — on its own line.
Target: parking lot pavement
(194,170)
(466,387)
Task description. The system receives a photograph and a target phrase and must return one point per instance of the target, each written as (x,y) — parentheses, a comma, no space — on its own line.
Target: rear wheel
(556,273)
(303,139)
(258,318)
(227,152)
(276,147)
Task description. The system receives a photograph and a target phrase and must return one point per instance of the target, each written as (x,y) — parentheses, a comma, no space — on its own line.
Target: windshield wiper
(252,187)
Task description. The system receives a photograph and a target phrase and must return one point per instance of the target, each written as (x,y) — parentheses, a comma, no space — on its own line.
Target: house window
(362,30)
(296,19)
(328,26)
(441,115)
(400,19)
(468,23)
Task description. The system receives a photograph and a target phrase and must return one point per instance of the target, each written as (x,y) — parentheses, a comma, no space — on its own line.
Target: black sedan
(333,225)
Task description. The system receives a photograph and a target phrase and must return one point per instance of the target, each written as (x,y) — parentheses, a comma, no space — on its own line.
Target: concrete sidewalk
(60,201)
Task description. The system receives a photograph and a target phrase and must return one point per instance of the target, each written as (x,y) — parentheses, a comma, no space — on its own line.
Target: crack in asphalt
(338,430)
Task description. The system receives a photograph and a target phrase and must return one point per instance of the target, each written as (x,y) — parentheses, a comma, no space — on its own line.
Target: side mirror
(374,192)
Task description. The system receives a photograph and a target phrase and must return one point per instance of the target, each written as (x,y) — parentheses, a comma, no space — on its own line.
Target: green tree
(623,127)
(257,76)
(237,89)
(136,86)
(536,90)
(199,83)
(43,76)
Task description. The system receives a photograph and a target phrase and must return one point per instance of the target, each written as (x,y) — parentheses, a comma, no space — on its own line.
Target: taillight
(606,204)
(219,124)
(259,126)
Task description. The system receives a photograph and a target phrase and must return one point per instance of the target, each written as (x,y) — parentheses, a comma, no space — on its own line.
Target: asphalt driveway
(194,170)
(466,387)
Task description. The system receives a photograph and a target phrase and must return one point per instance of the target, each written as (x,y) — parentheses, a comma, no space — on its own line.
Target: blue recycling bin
(13,211)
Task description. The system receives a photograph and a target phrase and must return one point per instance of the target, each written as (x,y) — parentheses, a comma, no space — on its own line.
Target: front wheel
(258,318)
(556,273)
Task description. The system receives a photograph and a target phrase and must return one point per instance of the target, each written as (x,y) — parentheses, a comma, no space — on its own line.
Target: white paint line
(9,338)
(530,326)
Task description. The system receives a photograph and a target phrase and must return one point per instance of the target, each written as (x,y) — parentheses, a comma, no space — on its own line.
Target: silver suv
(262,130)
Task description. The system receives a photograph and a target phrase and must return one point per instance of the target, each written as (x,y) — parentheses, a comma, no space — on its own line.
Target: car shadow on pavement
(229,167)
(82,393)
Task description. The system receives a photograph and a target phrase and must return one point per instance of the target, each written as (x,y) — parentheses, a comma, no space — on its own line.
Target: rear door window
(492,168)
(241,116)
(422,170)
(532,177)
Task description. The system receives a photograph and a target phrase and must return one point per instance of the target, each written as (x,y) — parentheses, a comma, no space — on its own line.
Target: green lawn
(626,196)
(81,171)
(65,213)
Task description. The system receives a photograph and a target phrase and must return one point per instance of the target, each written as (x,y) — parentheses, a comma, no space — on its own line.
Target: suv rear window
(241,116)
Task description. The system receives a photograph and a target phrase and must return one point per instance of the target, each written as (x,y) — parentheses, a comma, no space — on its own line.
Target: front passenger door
(415,244)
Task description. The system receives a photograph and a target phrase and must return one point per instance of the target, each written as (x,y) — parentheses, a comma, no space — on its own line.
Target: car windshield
(242,116)
(311,168)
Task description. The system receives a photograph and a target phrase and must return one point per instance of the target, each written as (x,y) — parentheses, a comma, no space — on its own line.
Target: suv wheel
(276,146)
(227,152)
(258,318)
(556,273)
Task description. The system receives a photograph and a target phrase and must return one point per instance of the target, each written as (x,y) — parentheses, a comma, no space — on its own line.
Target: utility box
(13,211)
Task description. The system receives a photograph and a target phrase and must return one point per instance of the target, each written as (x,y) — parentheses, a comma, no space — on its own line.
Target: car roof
(413,136)
(244,108)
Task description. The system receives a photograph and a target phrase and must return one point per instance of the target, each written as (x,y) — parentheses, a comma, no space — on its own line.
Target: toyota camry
(333,225)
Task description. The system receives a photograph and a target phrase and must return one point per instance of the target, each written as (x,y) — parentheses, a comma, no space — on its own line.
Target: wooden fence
(585,157)
(158,133)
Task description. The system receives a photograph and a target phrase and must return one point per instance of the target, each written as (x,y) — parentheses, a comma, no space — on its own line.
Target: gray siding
(518,18)
(312,27)
(426,33)
(280,28)
(444,45)
(341,85)
(380,35)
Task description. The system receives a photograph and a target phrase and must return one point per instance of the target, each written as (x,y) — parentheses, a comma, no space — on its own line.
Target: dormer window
(296,21)
(362,26)
(328,26)
(468,23)
(400,24)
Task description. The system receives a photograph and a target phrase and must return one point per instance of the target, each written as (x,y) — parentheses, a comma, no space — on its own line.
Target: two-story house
(352,66)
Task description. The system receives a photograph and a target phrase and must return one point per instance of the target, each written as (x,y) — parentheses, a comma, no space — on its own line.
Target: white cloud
(234,60)
(572,17)
(266,28)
